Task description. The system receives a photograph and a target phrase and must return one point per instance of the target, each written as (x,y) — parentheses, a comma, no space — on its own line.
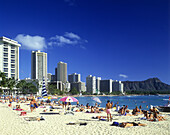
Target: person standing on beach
(108,110)
(32,105)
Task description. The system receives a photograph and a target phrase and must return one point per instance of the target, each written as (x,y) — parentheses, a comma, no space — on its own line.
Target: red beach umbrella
(68,99)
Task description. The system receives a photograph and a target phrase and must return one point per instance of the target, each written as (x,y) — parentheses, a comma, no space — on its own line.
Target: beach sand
(13,124)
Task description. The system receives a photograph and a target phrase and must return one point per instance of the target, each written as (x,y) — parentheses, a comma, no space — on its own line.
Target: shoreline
(114,95)
(12,123)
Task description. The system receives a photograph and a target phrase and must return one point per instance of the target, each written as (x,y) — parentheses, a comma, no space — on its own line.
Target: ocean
(131,101)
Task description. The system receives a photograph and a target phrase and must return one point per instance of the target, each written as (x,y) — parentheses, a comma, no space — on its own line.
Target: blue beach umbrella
(44,92)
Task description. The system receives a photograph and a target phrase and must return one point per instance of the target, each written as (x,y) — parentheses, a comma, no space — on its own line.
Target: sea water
(131,101)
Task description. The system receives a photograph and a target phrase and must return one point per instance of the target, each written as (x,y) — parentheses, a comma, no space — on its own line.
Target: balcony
(12,56)
(6,50)
(6,74)
(12,48)
(13,75)
(13,66)
(5,60)
(5,69)
(5,54)
(12,70)
(5,64)
(12,51)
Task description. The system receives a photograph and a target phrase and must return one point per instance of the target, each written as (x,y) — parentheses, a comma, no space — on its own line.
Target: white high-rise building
(91,84)
(118,86)
(74,78)
(62,72)
(98,79)
(9,57)
(39,65)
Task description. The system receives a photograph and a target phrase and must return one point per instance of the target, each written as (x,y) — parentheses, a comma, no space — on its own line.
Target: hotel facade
(39,65)
(9,57)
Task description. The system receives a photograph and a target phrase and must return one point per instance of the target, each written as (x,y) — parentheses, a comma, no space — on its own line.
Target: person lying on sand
(100,117)
(130,124)
(101,109)
(156,117)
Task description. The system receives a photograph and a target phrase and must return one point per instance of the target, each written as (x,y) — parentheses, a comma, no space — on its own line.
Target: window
(5,44)
(12,47)
(12,51)
(6,74)
(12,66)
(13,75)
(5,54)
(5,64)
(5,69)
(5,49)
(12,70)
(12,61)
(5,59)
(13,56)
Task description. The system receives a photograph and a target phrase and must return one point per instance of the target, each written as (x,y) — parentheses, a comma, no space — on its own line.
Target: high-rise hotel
(39,65)
(9,57)
(62,72)
(74,78)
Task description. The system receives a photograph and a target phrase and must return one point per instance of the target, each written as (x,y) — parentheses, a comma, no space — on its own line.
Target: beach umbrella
(44,92)
(68,99)
(96,99)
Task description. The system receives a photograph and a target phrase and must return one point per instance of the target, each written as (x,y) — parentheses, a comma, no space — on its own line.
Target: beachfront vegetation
(26,88)
(74,91)
(4,80)
(10,84)
(52,89)
(1,91)
(7,83)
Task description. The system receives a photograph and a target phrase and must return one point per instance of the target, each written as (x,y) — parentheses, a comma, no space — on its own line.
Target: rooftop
(10,41)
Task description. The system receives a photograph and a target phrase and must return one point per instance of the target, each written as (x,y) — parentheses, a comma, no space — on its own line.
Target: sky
(112,39)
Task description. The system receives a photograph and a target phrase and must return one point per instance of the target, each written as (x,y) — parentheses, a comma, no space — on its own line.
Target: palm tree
(11,83)
(4,80)
(21,85)
(26,88)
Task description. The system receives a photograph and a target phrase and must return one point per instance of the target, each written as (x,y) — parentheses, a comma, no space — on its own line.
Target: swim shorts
(108,111)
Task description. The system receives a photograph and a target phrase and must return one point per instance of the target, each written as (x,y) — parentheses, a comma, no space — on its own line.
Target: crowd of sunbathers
(152,114)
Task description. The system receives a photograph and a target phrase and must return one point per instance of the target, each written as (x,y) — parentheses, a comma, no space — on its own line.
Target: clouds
(123,76)
(68,38)
(31,42)
(72,35)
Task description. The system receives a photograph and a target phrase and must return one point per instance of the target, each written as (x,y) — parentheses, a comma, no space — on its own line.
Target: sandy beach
(11,123)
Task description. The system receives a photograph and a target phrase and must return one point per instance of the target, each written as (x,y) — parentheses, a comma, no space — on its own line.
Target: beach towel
(115,123)
(80,124)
